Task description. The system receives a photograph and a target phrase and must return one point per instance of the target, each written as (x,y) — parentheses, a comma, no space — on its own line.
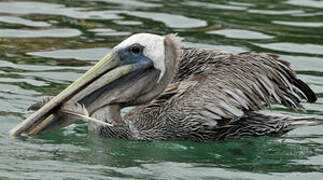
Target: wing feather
(243,82)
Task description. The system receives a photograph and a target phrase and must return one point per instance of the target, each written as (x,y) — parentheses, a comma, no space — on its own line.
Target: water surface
(45,45)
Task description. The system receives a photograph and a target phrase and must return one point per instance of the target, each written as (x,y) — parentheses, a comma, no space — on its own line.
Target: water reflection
(132,3)
(128,23)
(93,54)
(293,47)
(21,21)
(57,33)
(241,34)
(304,63)
(276,12)
(170,20)
(225,48)
(109,32)
(53,9)
(300,24)
(218,6)
(309,3)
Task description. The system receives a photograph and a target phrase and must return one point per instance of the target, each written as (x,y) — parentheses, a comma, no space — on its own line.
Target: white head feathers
(151,42)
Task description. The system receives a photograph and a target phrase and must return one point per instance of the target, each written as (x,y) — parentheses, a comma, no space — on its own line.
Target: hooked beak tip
(100,75)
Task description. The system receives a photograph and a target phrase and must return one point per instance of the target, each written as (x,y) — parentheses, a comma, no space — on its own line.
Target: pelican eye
(136,49)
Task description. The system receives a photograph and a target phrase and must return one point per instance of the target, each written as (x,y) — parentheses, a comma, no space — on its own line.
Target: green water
(45,45)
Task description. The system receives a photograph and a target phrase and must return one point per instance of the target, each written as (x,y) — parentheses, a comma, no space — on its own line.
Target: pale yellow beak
(106,70)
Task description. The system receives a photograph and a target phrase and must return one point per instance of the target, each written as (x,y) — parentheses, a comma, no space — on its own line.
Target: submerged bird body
(197,95)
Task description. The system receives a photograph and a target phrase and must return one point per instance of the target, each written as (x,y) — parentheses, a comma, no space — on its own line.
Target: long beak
(106,69)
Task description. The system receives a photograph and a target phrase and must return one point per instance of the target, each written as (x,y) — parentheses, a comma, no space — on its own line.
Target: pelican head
(134,72)
(147,63)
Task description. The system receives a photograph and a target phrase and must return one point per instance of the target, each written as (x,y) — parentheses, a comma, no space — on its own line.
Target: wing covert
(243,82)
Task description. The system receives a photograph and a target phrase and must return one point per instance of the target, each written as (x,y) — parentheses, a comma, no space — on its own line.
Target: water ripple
(216,6)
(171,20)
(27,67)
(275,12)
(57,33)
(109,32)
(128,23)
(308,3)
(299,24)
(293,47)
(241,34)
(226,48)
(80,54)
(132,3)
(53,9)
(304,63)
(25,22)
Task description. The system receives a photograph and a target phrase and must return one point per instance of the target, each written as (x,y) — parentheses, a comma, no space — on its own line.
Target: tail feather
(296,122)
(309,93)
(256,124)
(305,121)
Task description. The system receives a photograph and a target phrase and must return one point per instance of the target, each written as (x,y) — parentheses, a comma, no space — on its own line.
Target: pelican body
(196,95)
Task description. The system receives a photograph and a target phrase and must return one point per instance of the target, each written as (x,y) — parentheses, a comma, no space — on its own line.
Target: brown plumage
(210,95)
(215,94)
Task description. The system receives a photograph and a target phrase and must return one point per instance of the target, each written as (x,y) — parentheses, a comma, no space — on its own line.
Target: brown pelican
(198,95)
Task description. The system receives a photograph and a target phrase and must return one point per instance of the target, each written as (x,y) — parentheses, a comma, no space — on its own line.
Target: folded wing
(243,82)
